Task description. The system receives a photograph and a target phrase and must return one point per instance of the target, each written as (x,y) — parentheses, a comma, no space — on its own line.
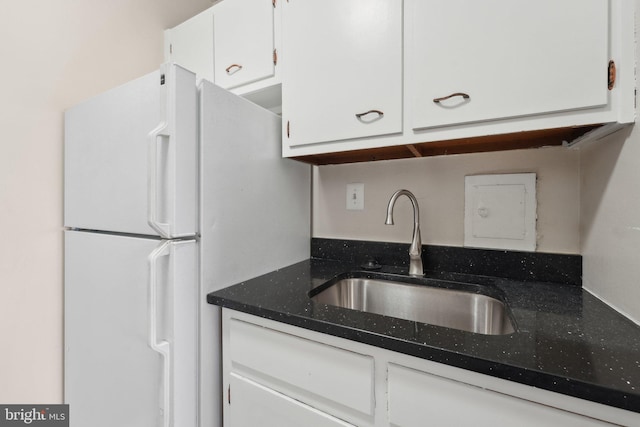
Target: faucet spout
(415,249)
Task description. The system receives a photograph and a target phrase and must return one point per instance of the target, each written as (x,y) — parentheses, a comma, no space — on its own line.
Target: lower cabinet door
(420,399)
(251,404)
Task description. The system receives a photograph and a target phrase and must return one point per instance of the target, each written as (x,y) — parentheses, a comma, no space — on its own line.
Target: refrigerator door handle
(162,347)
(156,136)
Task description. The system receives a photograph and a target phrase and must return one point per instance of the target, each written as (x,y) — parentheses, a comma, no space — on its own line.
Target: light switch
(355,197)
(500,211)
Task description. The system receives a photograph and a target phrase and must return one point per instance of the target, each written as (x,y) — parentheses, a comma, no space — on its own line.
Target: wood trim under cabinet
(509,141)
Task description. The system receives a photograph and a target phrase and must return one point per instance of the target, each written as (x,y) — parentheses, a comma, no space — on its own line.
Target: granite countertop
(567,341)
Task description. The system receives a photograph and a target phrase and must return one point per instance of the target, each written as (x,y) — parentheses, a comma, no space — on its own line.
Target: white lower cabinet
(416,397)
(279,375)
(334,381)
(253,404)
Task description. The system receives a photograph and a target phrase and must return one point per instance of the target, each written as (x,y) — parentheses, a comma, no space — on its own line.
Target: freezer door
(131,157)
(130,331)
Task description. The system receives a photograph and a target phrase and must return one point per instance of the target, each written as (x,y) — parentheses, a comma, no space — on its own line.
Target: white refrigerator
(172,191)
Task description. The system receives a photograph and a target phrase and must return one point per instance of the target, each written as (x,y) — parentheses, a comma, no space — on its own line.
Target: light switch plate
(500,211)
(355,197)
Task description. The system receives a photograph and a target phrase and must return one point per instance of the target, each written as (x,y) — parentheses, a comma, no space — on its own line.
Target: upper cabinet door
(243,33)
(343,69)
(190,44)
(505,58)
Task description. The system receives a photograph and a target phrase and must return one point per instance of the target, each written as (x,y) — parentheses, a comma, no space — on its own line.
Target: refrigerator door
(131,157)
(130,331)
(255,214)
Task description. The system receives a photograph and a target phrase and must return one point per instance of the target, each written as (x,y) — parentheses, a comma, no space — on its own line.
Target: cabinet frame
(383,358)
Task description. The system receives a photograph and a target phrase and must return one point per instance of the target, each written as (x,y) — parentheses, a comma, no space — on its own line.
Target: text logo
(34,415)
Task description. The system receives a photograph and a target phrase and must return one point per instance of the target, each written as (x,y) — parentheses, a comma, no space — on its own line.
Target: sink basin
(449,304)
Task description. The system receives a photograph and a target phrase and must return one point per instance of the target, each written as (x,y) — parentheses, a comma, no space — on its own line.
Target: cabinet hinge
(611,75)
(229,394)
(287,128)
(170,48)
(275,56)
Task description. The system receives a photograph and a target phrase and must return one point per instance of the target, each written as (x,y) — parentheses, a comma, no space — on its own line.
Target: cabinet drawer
(416,396)
(302,368)
(252,404)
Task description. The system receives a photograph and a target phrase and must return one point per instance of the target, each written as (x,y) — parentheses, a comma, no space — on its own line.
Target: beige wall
(438,183)
(588,203)
(54,54)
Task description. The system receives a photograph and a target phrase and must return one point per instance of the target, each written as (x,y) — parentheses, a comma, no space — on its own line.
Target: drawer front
(416,396)
(301,368)
(251,404)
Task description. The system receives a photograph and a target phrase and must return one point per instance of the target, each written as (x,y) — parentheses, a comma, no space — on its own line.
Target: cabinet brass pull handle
(378,112)
(232,66)
(611,75)
(464,95)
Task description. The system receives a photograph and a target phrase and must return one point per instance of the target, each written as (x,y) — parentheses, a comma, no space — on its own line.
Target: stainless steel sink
(448,304)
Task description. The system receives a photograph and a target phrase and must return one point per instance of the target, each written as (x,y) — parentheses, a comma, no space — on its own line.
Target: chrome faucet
(415,250)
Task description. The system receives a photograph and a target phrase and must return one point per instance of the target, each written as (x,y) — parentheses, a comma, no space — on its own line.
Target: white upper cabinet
(349,76)
(190,44)
(234,44)
(343,70)
(466,75)
(498,59)
(243,34)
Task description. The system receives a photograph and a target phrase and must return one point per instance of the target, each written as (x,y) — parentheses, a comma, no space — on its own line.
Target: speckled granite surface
(566,341)
(521,266)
